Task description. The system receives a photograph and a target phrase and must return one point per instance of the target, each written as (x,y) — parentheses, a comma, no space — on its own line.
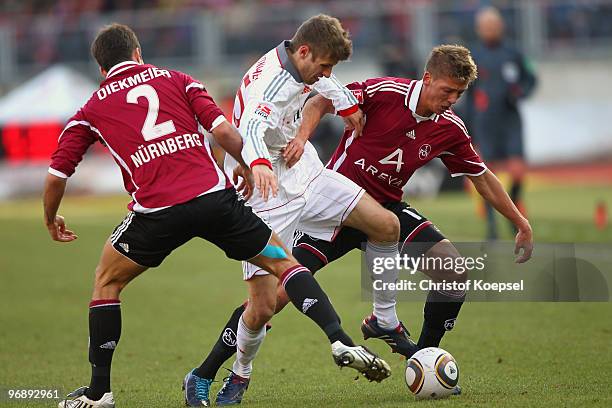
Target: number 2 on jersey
(150,130)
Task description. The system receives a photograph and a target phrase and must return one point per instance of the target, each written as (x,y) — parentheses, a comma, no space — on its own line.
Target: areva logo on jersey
(424,151)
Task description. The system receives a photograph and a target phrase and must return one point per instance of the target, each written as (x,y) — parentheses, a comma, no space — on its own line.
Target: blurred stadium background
(46,73)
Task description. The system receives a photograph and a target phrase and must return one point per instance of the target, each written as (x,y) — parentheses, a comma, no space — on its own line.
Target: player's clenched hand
(293,151)
(524,242)
(245,176)
(356,122)
(265,180)
(58,230)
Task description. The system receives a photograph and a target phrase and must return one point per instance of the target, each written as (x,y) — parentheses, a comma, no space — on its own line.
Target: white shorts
(319,211)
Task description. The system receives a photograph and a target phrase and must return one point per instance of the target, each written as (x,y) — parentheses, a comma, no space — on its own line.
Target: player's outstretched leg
(382,228)
(225,347)
(196,384)
(442,307)
(113,273)
(308,297)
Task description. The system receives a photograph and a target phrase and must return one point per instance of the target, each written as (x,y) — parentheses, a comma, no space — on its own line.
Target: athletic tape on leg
(272,251)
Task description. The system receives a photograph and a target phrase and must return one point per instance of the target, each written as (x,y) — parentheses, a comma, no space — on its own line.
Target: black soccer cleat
(398,339)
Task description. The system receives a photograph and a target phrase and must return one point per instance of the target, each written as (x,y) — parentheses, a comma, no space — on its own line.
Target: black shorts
(218,217)
(417,236)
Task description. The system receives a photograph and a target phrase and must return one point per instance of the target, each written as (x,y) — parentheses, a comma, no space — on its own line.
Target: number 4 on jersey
(399,153)
(149,129)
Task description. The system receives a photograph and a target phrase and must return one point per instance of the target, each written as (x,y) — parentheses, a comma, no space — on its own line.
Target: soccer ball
(432,373)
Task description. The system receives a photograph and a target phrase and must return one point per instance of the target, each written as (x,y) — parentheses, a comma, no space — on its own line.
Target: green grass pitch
(509,354)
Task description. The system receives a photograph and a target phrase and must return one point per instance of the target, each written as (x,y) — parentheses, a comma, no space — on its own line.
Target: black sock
(224,348)
(307,259)
(104,333)
(310,261)
(515,191)
(308,297)
(440,313)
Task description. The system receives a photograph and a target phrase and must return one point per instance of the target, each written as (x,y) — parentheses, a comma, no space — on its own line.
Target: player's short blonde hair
(454,61)
(326,38)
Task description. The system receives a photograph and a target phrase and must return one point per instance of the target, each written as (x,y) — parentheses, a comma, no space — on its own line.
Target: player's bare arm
(52,197)
(491,189)
(229,140)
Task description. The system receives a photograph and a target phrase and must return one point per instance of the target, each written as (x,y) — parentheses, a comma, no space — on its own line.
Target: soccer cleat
(196,390)
(78,399)
(398,338)
(234,387)
(361,359)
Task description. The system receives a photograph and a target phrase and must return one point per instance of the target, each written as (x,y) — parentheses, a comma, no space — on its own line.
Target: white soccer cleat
(77,399)
(361,359)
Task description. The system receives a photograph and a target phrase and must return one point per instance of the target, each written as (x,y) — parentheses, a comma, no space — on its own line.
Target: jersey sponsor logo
(308,303)
(380,175)
(424,151)
(229,337)
(411,134)
(263,110)
(146,153)
(358,93)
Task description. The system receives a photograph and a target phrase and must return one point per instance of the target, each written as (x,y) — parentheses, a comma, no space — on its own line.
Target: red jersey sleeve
(203,105)
(461,159)
(364,91)
(72,144)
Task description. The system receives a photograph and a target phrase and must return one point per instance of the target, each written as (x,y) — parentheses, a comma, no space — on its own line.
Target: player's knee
(108,280)
(387,228)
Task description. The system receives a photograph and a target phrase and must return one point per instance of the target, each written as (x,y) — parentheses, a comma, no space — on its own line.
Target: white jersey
(268,112)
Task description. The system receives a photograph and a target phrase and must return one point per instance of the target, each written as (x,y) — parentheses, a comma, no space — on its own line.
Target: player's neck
(422,109)
(293,61)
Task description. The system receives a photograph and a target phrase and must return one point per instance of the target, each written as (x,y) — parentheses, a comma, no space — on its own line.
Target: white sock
(384,300)
(247,344)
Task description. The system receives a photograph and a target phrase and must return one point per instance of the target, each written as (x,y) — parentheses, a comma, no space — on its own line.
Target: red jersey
(149,119)
(396,141)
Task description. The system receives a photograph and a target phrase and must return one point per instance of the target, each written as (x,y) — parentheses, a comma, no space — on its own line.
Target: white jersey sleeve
(263,110)
(344,101)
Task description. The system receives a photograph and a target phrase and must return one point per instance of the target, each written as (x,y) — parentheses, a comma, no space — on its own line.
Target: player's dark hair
(454,61)
(114,43)
(325,37)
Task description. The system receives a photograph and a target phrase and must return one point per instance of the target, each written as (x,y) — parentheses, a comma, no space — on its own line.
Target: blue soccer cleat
(196,390)
(398,339)
(233,390)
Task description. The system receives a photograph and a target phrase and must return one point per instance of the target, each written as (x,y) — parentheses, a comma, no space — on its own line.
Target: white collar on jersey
(411,103)
(120,67)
